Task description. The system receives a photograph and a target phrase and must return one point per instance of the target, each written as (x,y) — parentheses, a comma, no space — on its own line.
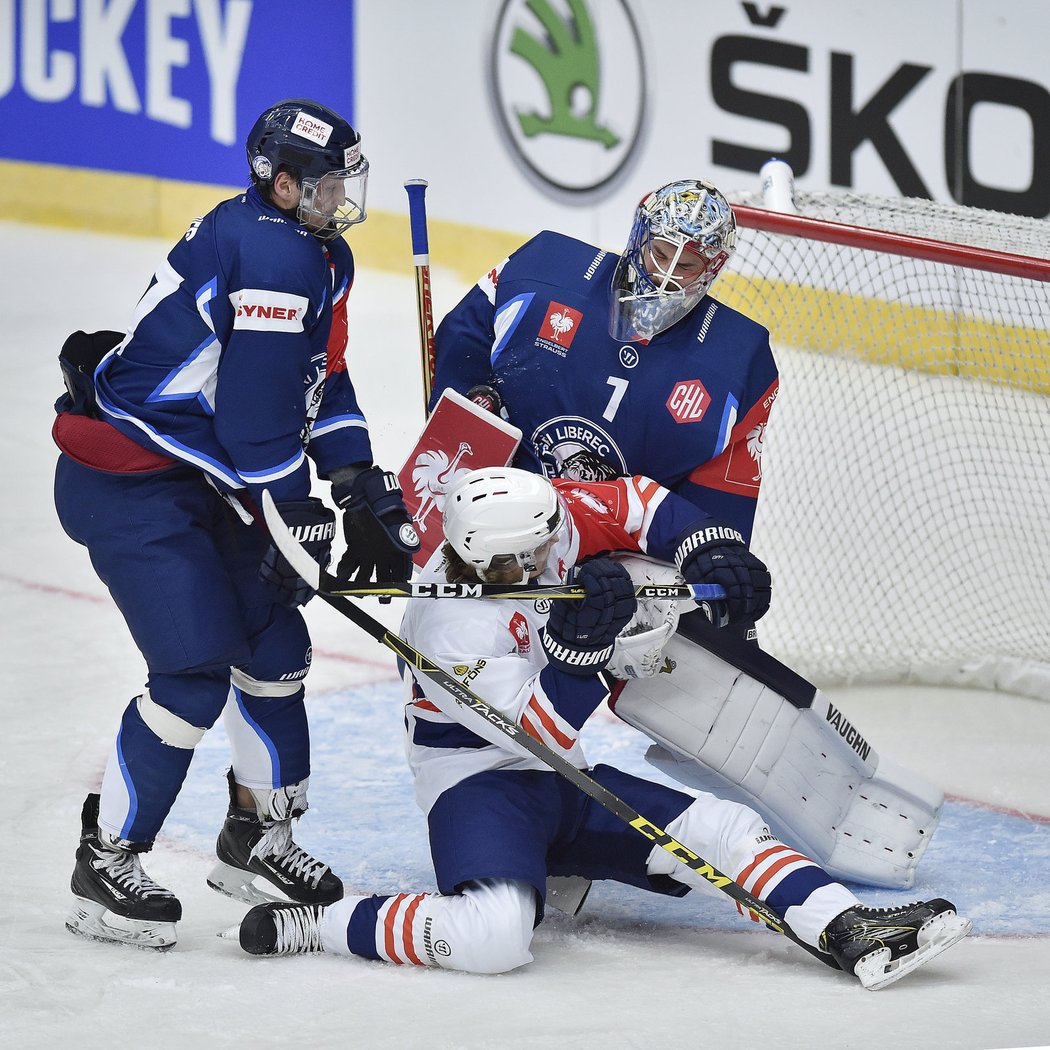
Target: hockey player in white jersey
(500,821)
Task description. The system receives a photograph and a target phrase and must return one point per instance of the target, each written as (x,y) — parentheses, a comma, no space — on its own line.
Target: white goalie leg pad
(807,771)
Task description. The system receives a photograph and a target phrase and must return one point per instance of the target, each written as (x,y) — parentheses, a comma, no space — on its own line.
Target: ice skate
(259,862)
(881,945)
(282,929)
(114,899)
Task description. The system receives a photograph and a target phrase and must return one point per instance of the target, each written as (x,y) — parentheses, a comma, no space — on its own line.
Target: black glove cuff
(694,542)
(575,659)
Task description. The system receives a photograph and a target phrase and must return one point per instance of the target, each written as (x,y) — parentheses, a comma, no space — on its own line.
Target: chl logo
(688,401)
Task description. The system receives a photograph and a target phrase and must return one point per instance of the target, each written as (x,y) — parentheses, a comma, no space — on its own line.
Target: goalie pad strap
(747,657)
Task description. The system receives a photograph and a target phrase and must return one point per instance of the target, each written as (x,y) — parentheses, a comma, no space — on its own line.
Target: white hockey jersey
(494,647)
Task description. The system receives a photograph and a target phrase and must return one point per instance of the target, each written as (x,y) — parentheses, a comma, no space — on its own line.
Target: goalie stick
(417,218)
(470,700)
(326,584)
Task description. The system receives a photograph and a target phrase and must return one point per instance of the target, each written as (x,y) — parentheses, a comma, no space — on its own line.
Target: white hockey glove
(638,651)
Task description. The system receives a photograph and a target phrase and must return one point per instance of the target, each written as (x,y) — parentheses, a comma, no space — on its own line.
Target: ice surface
(632,971)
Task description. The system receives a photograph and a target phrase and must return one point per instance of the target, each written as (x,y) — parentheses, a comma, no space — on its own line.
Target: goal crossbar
(909,245)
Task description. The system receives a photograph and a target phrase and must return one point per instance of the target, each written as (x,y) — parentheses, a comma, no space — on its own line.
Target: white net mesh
(906,472)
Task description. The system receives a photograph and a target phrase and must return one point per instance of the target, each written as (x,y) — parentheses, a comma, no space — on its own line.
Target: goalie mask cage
(905,511)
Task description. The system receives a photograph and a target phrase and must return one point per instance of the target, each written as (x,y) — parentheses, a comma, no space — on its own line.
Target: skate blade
(240,885)
(231,933)
(95,922)
(877,970)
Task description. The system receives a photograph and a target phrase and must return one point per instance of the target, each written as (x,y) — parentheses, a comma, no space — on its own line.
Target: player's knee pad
(280,652)
(487,927)
(724,833)
(179,708)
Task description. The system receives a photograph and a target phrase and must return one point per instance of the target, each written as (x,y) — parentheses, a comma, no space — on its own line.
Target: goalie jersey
(689,408)
(234,362)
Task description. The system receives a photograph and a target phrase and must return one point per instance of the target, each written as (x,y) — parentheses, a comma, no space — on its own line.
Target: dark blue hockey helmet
(323,152)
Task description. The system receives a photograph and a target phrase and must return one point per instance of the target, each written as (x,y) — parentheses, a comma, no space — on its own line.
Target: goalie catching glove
(578,637)
(717,554)
(380,539)
(313,525)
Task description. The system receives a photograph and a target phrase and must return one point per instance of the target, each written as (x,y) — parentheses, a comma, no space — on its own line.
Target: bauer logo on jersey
(688,401)
(261,310)
(559,328)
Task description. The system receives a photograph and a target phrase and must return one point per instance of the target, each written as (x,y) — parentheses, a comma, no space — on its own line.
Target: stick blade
(288,545)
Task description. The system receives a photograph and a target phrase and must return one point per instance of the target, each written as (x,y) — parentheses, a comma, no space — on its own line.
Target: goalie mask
(499,516)
(323,152)
(683,234)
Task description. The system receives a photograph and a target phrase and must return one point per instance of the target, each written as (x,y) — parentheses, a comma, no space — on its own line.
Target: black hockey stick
(325,583)
(470,700)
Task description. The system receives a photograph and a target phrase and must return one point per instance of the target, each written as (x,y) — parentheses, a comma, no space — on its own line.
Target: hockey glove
(313,525)
(579,634)
(487,397)
(718,554)
(380,539)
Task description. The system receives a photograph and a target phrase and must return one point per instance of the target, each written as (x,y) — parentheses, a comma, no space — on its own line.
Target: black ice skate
(114,899)
(259,862)
(281,929)
(881,945)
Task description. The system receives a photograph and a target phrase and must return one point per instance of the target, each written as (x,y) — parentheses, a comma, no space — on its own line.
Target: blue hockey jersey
(689,408)
(234,361)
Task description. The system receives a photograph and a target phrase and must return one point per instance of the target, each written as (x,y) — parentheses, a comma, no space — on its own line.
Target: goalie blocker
(730,719)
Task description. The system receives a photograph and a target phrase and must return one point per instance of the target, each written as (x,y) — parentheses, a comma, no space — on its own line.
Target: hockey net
(906,472)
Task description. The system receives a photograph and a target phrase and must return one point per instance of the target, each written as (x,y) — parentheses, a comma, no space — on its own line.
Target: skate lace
(125,869)
(276,847)
(297,929)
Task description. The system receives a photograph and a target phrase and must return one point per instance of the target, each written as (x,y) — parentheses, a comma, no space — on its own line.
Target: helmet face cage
(697,233)
(500,516)
(324,153)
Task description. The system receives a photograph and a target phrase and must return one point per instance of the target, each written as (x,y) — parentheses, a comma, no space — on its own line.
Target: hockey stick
(417,218)
(325,583)
(613,803)
(467,698)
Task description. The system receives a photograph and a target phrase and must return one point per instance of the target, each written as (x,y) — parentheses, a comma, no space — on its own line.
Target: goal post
(905,512)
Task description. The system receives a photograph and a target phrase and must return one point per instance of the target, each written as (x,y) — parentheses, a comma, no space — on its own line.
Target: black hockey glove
(717,554)
(380,539)
(313,525)
(487,397)
(579,634)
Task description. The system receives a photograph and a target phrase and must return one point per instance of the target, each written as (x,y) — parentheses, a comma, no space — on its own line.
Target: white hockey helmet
(682,236)
(501,514)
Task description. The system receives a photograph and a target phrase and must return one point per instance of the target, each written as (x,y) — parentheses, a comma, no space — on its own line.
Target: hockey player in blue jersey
(613,365)
(231,379)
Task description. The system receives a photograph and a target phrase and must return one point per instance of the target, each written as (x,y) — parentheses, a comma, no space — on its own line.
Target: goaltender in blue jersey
(614,365)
